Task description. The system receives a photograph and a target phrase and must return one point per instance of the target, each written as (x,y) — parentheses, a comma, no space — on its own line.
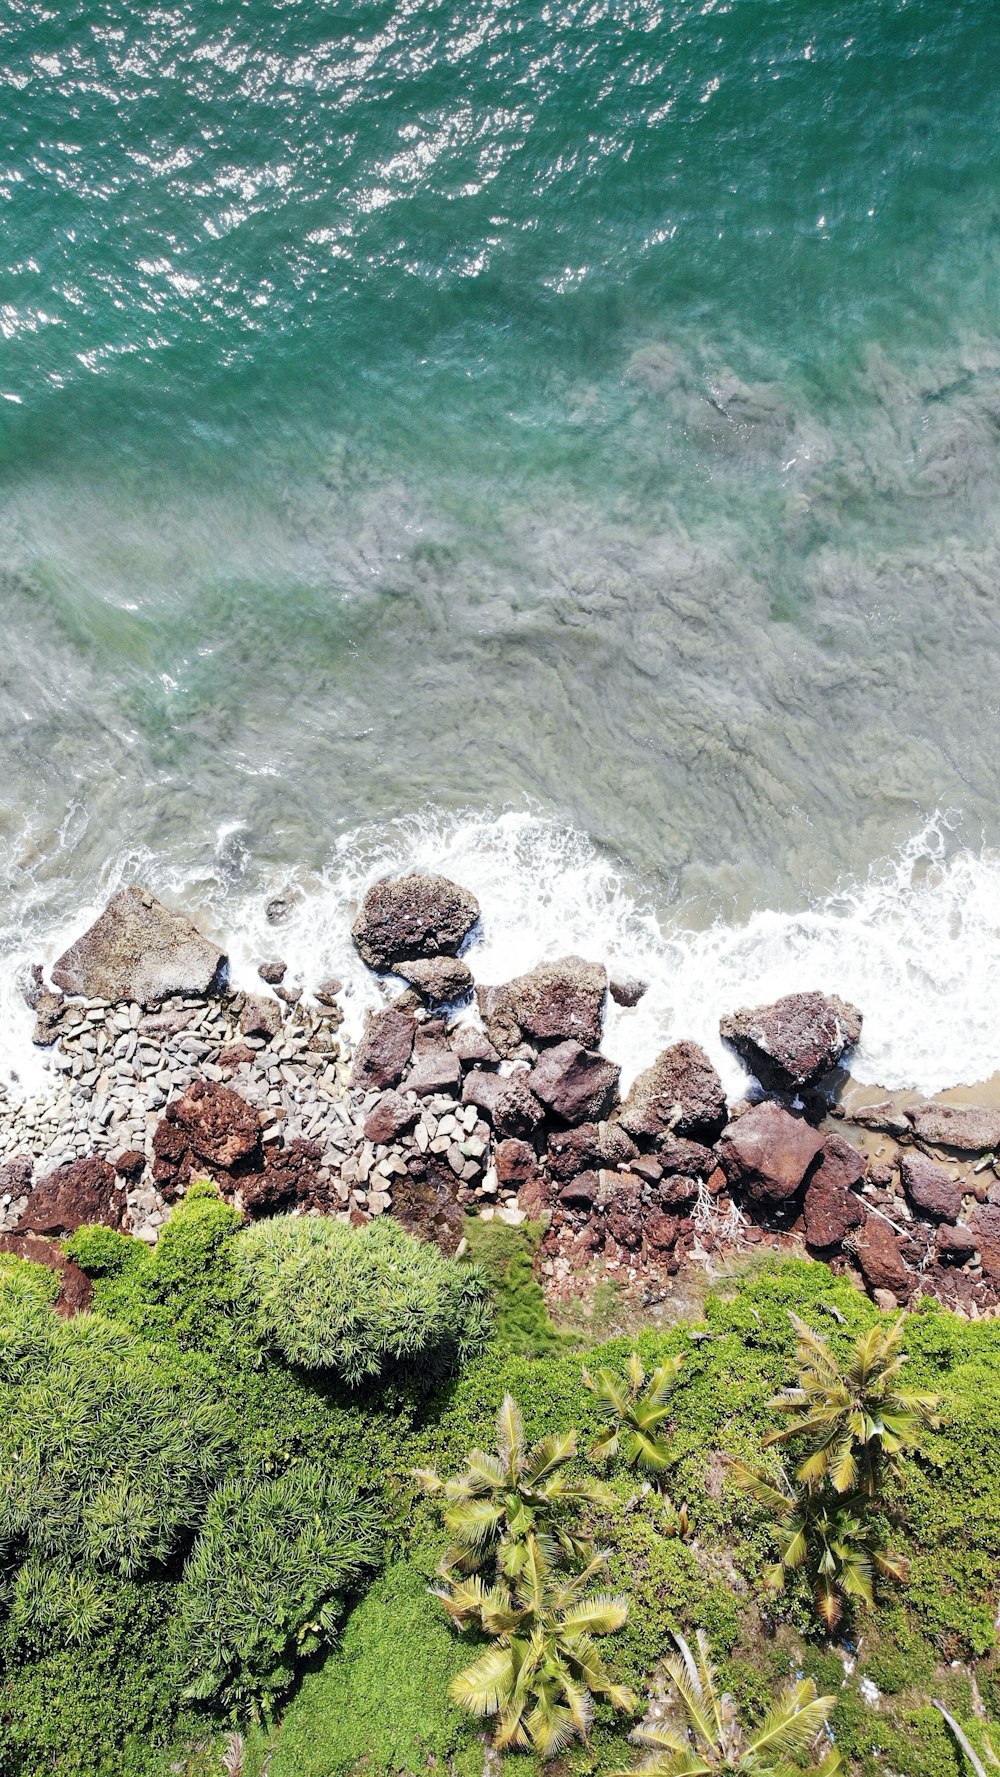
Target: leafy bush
(264,1583)
(355,1300)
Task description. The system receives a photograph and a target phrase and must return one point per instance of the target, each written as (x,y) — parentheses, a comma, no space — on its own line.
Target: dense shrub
(355,1300)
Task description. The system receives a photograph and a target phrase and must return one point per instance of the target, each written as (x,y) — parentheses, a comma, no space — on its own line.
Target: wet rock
(516,1110)
(131,1164)
(627,990)
(438,979)
(794,1042)
(553,1002)
(578,1085)
(956,1244)
(390,1118)
(424,1201)
(929,1188)
(885,1118)
(681,1094)
(272,972)
(880,1259)
(436,1069)
(326,991)
(383,1052)
(15,1176)
(984,1226)
(473,1047)
(279,908)
(49,1009)
(82,1191)
(290,995)
(75,1287)
(137,949)
(406,917)
(767,1153)
(971,1129)
(260,1016)
(515,1163)
(30,984)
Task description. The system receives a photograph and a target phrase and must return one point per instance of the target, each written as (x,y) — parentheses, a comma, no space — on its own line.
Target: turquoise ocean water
(413,412)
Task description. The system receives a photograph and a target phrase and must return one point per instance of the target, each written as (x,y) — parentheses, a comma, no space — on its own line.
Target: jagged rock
(131,1164)
(482,1090)
(578,1085)
(647,1167)
(438,979)
(972,1129)
(273,972)
(289,1176)
(515,1162)
(280,906)
(424,1202)
(929,1188)
(15,1176)
(766,1154)
(678,1155)
(516,1110)
(880,1259)
(795,1041)
(137,949)
(234,1055)
(81,1191)
(627,990)
(210,1127)
(956,1244)
(589,1146)
(830,1207)
(984,1226)
(260,1016)
(661,1232)
(677,1189)
(885,1118)
(681,1094)
(473,1047)
(75,1287)
(621,1199)
(290,995)
(49,1008)
(326,991)
(406,917)
(390,1118)
(30,984)
(383,1052)
(436,1069)
(552,1003)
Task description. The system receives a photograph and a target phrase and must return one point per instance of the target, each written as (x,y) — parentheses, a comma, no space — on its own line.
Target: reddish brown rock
(75,1287)
(590,1145)
(681,1094)
(515,1163)
(971,1129)
(534,1197)
(661,1232)
(80,1192)
(217,1124)
(234,1055)
(841,1164)
(15,1176)
(406,917)
(956,1244)
(984,1225)
(794,1042)
(131,1164)
(289,1177)
(830,1212)
(137,949)
(627,990)
(438,980)
(390,1118)
(582,1191)
(425,1202)
(577,1085)
(436,1069)
(879,1257)
(482,1089)
(260,1017)
(552,1003)
(516,1110)
(621,1196)
(384,1051)
(767,1153)
(473,1047)
(273,972)
(679,1155)
(677,1189)
(884,1117)
(929,1188)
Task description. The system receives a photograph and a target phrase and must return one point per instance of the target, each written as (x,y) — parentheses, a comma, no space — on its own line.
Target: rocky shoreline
(472,1098)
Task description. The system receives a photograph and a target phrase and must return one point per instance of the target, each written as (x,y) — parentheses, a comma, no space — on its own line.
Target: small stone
(627,990)
(326,991)
(272,973)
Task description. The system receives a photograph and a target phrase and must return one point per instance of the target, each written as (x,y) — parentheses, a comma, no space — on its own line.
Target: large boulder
(289,1177)
(553,1002)
(406,917)
(587,1148)
(438,979)
(882,1264)
(516,1110)
(930,1189)
(794,1042)
(971,1129)
(984,1226)
(137,949)
(681,1094)
(766,1154)
(81,1191)
(381,1057)
(435,1069)
(211,1128)
(578,1085)
(831,1208)
(677,1154)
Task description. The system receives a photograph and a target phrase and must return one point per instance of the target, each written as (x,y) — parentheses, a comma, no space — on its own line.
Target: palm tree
(543,1670)
(499,1502)
(705,1738)
(851,1418)
(636,1409)
(827,1534)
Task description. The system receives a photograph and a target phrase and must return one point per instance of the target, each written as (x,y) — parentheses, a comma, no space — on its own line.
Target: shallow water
(585,410)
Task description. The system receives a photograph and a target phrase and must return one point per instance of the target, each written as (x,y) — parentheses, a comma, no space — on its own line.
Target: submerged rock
(137,949)
(403,918)
(550,1004)
(681,1094)
(627,990)
(767,1153)
(794,1042)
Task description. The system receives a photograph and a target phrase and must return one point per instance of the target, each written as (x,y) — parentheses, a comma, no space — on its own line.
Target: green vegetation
(636,1409)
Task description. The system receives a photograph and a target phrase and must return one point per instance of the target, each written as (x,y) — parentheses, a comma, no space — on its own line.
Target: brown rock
(929,1188)
(383,1052)
(424,1202)
(582,1191)
(767,1153)
(578,1085)
(661,1232)
(406,917)
(473,1047)
(260,1017)
(131,1164)
(326,991)
(627,990)
(272,973)
(390,1118)
(137,949)
(879,1257)
(677,1189)
(534,1197)
(515,1162)
(49,1008)
(436,1069)
(795,1041)
(82,1191)
(681,1094)
(234,1055)
(678,1155)
(15,1176)
(984,1226)
(75,1287)
(553,1002)
(516,1110)
(830,1211)
(623,1210)
(438,979)
(956,1244)
(482,1090)
(972,1129)
(885,1118)
(217,1124)
(289,1176)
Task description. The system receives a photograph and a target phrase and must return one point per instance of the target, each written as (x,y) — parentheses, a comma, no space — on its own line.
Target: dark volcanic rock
(260,1016)
(553,1002)
(929,1188)
(830,1212)
(622,1203)
(581,1191)
(880,1259)
(290,1176)
(425,1202)
(390,1118)
(210,1128)
(515,1162)
(383,1052)
(972,1129)
(131,1164)
(516,1110)
(661,1232)
(795,1041)
(406,917)
(767,1153)
(841,1165)
(75,1287)
(984,1226)
(677,1189)
(273,972)
(49,1009)
(680,1094)
(81,1191)
(679,1155)
(438,979)
(578,1085)
(626,990)
(435,1070)
(15,1176)
(590,1145)
(956,1244)
(473,1047)
(137,949)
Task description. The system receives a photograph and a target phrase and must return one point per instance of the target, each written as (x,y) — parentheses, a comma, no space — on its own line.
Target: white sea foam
(916,945)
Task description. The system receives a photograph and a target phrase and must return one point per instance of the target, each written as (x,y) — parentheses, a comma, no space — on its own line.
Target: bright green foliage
(636,1409)
(500,1504)
(19,1277)
(356,1300)
(541,1674)
(264,1583)
(854,1418)
(830,1536)
(504,1258)
(704,1736)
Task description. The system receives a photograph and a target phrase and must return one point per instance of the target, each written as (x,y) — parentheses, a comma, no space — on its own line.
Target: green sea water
(590,406)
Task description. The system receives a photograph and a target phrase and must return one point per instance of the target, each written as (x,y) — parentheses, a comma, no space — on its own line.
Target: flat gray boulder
(137,949)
